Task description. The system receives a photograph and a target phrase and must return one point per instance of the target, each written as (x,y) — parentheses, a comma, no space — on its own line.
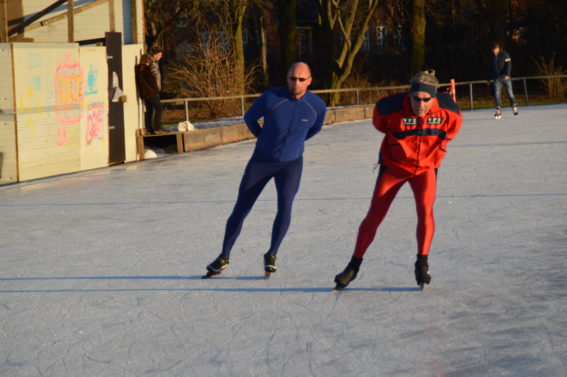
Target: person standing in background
(499,69)
(156,54)
(148,91)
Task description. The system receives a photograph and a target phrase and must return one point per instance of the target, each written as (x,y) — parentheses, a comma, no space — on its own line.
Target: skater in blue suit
(291,115)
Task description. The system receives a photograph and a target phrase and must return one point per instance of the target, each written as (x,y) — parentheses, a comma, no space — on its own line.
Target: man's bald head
(298,79)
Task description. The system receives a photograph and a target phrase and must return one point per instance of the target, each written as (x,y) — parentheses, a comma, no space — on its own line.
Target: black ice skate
(515,109)
(498,113)
(216,267)
(422,271)
(270,263)
(349,274)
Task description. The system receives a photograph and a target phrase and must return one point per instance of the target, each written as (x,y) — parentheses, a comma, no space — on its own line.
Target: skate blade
(338,288)
(209,275)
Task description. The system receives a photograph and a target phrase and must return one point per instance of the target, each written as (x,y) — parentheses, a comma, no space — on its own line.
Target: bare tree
(233,12)
(418,22)
(349,19)
(209,71)
(500,20)
(288,34)
(260,15)
(160,15)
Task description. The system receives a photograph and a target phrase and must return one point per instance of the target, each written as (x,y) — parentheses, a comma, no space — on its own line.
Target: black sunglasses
(300,79)
(417,99)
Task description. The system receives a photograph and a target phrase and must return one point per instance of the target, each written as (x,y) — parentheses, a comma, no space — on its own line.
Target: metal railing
(357,92)
(524,85)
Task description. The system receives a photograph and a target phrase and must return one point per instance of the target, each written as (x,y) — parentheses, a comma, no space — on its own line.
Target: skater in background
(417,127)
(499,68)
(291,116)
(148,90)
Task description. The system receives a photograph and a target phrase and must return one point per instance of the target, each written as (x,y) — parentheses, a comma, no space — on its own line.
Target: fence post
(187,110)
(453,90)
(357,96)
(242,105)
(471,95)
(526,92)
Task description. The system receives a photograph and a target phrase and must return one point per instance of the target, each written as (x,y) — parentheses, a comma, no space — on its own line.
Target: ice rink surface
(100,272)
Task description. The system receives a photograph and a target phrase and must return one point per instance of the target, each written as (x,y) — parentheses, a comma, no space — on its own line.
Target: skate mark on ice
(330,199)
(378,289)
(517,144)
(102,278)
(193,277)
(229,290)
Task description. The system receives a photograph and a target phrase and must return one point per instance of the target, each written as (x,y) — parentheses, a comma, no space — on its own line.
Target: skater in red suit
(417,127)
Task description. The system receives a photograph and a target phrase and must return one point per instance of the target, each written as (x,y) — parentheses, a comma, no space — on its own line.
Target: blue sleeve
(255,112)
(314,130)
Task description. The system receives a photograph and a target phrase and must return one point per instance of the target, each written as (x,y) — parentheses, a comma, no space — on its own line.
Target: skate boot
(515,109)
(217,266)
(270,263)
(422,271)
(498,113)
(349,274)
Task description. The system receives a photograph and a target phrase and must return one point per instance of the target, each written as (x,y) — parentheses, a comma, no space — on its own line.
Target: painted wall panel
(49,92)
(8,151)
(94,123)
(132,120)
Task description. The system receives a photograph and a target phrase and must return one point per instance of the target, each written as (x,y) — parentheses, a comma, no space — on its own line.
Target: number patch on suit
(410,121)
(434,120)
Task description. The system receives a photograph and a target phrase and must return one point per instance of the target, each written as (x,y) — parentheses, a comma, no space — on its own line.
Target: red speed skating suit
(412,150)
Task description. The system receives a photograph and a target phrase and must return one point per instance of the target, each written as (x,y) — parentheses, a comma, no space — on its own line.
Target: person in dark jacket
(148,90)
(499,69)
(417,127)
(291,116)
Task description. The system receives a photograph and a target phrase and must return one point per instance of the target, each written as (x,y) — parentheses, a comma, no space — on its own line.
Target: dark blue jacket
(288,122)
(499,65)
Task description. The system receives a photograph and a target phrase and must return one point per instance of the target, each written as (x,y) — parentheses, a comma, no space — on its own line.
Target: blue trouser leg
(509,91)
(287,184)
(255,178)
(497,88)
(257,174)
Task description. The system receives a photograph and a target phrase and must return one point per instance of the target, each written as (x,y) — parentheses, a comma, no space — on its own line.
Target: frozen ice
(100,272)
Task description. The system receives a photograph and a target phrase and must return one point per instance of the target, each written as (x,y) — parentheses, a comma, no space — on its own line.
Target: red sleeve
(378,121)
(455,122)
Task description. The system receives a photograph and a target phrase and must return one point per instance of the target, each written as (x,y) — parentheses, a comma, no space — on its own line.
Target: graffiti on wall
(92,86)
(95,122)
(69,92)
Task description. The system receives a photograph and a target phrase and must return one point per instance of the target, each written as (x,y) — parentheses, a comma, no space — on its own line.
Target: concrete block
(234,133)
(349,114)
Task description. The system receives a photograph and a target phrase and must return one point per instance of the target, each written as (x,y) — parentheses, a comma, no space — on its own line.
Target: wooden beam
(134,14)
(54,19)
(70,21)
(22,26)
(112,15)
(3,21)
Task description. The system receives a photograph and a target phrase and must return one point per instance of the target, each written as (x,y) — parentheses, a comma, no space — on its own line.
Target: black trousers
(152,117)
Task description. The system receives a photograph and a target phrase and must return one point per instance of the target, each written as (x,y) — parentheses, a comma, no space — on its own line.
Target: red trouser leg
(424,187)
(387,186)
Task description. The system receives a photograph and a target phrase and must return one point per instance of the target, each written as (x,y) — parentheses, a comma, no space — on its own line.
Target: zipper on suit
(419,123)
